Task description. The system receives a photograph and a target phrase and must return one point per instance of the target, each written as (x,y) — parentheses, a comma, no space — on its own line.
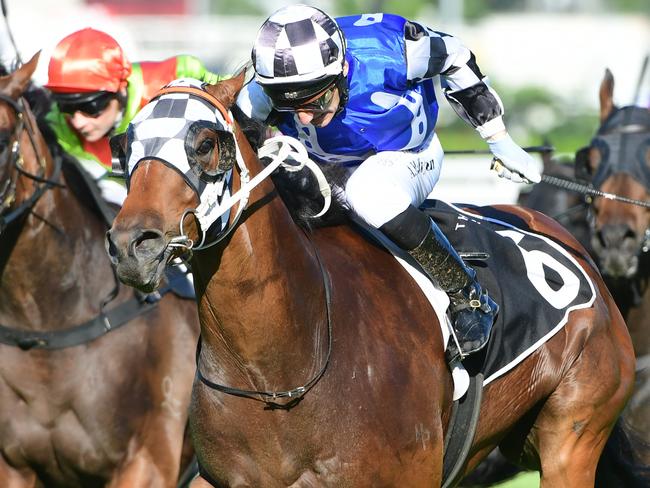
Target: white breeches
(386,183)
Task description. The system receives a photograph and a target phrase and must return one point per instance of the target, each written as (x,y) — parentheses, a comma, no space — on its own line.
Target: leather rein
(295,395)
(93,328)
(8,194)
(270,398)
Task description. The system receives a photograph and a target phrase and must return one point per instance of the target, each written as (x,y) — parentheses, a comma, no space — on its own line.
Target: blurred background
(546,58)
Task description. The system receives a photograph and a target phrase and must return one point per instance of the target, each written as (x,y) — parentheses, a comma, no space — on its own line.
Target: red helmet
(88,61)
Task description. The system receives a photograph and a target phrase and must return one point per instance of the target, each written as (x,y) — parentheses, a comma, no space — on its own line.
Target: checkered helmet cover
(160,130)
(298,44)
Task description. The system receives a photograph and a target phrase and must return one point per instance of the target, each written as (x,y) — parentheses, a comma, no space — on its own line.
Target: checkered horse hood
(165,127)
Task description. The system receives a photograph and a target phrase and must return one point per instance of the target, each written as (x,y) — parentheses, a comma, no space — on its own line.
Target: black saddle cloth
(534,279)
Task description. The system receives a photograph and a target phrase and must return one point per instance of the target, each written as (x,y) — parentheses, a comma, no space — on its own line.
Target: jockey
(358,92)
(98,92)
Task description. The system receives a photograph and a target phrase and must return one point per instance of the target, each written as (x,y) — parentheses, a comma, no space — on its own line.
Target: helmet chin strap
(344,92)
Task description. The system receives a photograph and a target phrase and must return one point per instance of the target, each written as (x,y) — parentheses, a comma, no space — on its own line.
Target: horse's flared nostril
(146,244)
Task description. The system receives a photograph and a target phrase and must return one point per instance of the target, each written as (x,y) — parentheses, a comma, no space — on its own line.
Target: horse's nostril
(630,235)
(111,248)
(614,236)
(147,243)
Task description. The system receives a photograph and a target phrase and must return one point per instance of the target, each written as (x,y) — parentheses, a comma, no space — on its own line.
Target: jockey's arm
(191,67)
(430,53)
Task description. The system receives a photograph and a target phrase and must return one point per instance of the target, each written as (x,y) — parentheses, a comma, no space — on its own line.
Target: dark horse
(618,161)
(617,235)
(111,411)
(282,305)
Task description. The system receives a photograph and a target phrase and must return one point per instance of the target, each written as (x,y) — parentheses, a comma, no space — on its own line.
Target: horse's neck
(263,311)
(56,258)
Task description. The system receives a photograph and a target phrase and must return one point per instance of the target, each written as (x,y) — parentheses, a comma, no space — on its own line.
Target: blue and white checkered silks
(296,44)
(160,129)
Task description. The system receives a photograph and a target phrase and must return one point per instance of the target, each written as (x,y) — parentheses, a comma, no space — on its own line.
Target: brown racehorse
(107,412)
(618,161)
(332,324)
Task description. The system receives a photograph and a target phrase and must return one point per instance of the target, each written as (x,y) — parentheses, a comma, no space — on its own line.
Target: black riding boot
(472,310)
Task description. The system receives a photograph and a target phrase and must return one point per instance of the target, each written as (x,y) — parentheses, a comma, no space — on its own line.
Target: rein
(93,328)
(294,395)
(17,160)
(215,202)
(279,149)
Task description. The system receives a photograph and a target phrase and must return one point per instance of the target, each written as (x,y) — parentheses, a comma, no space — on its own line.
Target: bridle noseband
(215,200)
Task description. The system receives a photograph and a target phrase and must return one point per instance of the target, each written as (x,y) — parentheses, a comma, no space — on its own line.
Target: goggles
(321,104)
(91,106)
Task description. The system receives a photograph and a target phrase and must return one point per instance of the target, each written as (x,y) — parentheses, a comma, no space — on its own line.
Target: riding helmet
(88,60)
(299,52)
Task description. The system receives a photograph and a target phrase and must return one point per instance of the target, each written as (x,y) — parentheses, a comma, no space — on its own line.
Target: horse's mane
(299,190)
(81,185)
(40,103)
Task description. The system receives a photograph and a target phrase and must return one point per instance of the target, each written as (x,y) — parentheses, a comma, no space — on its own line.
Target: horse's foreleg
(572,427)
(154,464)
(12,478)
(199,482)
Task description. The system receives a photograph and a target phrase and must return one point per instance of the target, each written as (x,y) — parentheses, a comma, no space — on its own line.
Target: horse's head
(22,149)
(618,161)
(178,156)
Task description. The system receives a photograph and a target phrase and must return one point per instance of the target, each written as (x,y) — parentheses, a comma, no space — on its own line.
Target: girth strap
(461,430)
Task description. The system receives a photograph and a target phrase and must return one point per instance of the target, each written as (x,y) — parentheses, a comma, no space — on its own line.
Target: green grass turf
(523,480)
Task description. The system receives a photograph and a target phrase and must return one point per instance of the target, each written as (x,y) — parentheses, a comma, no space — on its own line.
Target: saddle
(535,280)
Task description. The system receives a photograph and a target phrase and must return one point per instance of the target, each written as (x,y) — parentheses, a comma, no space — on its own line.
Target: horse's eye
(205,147)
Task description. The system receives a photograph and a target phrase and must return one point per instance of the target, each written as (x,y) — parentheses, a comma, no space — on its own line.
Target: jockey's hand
(518,165)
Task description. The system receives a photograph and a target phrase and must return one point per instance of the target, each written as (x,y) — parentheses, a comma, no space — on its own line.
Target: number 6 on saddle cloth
(174,131)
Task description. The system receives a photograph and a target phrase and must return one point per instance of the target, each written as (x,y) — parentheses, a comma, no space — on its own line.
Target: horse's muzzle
(139,256)
(617,247)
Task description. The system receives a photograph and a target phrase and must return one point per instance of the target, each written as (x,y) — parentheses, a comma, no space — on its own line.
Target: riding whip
(528,149)
(17,60)
(571,185)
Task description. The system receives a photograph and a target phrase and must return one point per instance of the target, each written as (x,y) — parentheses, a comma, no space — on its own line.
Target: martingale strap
(80,334)
(86,332)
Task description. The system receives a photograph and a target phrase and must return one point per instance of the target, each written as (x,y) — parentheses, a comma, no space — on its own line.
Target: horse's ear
(587,160)
(582,171)
(15,83)
(226,91)
(606,95)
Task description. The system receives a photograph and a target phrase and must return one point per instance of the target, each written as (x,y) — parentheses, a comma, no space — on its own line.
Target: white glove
(518,165)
